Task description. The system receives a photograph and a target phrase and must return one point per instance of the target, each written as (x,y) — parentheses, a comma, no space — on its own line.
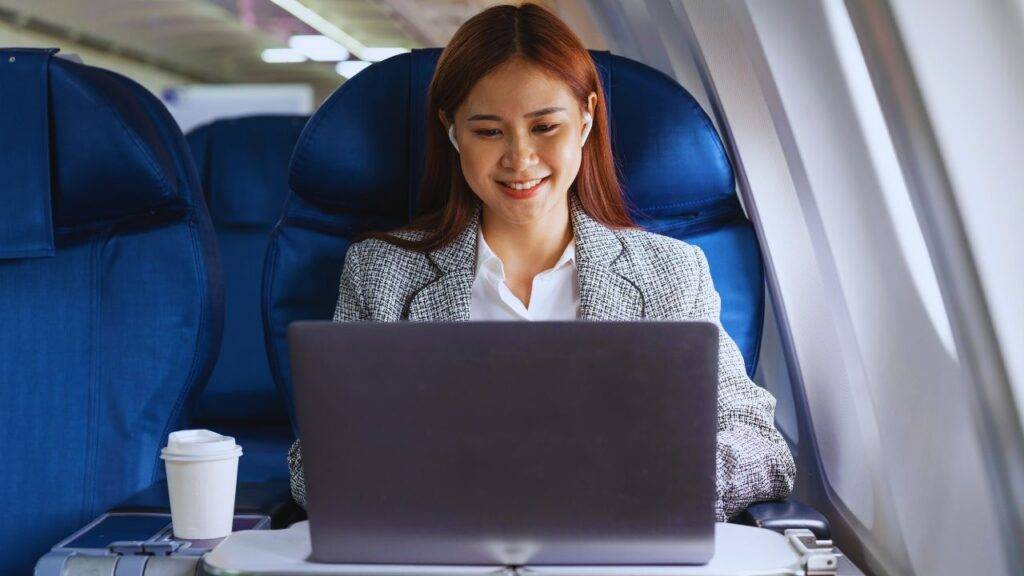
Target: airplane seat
(243,168)
(676,175)
(110,295)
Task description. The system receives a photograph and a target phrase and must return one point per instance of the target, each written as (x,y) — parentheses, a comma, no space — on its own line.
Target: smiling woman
(522,218)
(517,95)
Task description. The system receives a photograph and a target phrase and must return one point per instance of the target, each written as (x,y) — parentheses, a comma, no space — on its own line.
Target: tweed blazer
(622,275)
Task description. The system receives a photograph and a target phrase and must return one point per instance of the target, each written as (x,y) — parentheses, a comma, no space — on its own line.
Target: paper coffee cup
(202,471)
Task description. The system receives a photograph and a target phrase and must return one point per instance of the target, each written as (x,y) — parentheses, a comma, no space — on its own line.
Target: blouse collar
(487,260)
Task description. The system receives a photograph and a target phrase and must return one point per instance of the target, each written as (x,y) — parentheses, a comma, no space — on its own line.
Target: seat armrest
(272,499)
(782,515)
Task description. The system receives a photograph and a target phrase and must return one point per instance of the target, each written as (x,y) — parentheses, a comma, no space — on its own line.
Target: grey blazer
(623,275)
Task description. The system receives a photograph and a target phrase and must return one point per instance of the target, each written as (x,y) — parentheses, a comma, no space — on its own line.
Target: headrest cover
(107,156)
(243,165)
(362,151)
(353,153)
(112,158)
(26,222)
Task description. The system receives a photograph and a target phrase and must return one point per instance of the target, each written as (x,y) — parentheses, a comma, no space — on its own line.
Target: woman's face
(519,125)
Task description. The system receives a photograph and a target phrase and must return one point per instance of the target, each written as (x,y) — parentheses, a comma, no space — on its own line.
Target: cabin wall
(977,115)
(878,386)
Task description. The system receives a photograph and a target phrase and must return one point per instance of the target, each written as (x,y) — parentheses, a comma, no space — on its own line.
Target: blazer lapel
(606,290)
(447,298)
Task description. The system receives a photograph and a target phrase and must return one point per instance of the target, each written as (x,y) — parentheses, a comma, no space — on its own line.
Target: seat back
(358,163)
(243,168)
(110,297)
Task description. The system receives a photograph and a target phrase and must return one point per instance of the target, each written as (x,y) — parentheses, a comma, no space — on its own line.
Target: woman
(522,217)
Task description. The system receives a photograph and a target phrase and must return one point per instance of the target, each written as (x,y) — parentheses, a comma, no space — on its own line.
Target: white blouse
(555,294)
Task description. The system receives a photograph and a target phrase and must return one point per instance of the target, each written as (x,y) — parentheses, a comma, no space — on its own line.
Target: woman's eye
(488,133)
(546,127)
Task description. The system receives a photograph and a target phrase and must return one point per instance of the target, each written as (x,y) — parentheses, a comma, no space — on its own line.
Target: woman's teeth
(523,185)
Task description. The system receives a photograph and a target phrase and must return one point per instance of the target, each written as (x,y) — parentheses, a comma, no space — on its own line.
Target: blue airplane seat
(674,167)
(110,295)
(243,168)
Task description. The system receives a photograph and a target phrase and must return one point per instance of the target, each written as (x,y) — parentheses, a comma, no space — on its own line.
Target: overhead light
(282,55)
(350,68)
(378,54)
(318,48)
(322,25)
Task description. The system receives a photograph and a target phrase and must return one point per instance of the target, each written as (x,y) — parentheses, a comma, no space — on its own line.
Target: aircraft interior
(181,181)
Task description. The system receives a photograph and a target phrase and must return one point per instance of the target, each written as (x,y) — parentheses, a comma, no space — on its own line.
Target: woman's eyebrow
(534,114)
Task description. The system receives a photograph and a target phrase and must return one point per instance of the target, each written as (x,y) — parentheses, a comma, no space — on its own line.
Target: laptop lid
(508,443)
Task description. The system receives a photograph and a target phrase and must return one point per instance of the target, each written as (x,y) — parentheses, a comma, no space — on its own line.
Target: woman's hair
(484,43)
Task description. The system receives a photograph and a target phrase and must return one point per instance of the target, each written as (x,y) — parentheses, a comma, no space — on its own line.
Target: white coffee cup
(202,471)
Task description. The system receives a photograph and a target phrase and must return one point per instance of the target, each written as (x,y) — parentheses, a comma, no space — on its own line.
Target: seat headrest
(104,155)
(362,151)
(240,165)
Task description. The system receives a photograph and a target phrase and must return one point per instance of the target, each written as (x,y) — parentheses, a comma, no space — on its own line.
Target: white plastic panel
(967,59)
(857,292)
(972,50)
(791,256)
(909,382)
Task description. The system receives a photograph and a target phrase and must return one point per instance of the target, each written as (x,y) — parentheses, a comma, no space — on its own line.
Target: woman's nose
(519,154)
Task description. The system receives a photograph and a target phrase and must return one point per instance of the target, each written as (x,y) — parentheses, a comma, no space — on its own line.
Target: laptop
(508,443)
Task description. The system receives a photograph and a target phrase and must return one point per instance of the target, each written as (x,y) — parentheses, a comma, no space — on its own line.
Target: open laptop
(508,443)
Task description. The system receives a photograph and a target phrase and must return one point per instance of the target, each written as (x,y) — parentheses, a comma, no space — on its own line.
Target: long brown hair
(482,44)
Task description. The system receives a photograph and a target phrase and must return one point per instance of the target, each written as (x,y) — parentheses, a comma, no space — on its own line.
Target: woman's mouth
(523,190)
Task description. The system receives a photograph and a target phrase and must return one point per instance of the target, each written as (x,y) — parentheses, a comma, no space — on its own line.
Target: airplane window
(892,185)
(866,330)
(815,183)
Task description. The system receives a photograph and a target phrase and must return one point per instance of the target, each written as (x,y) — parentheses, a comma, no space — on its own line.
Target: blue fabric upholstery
(359,160)
(243,166)
(105,343)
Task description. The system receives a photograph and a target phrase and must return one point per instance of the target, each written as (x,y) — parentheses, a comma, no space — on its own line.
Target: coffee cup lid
(198,445)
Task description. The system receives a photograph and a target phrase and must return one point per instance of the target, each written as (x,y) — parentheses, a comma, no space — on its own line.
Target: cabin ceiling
(221,41)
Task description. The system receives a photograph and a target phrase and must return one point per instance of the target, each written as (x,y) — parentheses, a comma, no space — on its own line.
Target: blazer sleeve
(350,307)
(753,462)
